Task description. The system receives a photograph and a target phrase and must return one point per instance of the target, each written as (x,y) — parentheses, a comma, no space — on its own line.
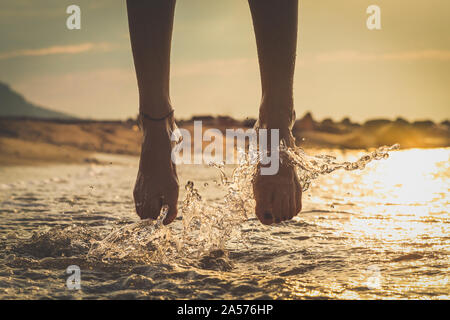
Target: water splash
(140,242)
(311,167)
(207,226)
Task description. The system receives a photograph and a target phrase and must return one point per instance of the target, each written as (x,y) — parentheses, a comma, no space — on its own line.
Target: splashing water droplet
(208,225)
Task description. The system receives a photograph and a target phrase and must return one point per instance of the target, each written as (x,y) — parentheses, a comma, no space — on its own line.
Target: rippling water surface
(381,232)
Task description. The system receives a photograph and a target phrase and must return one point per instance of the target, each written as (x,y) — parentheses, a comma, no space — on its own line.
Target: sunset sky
(343,69)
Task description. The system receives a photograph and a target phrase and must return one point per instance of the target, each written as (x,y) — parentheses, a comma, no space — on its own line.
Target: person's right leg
(150,24)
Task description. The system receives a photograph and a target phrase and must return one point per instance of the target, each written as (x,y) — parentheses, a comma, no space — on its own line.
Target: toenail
(277,220)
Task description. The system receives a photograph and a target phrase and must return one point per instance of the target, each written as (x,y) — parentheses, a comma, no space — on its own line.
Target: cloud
(68,49)
(354,56)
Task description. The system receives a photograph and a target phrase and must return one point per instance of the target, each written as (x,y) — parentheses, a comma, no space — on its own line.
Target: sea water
(377,233)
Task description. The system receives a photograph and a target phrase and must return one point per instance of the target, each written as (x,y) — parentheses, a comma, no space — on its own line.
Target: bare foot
(157,180)
(278,197)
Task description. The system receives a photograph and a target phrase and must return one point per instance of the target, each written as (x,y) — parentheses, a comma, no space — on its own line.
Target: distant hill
(12,104)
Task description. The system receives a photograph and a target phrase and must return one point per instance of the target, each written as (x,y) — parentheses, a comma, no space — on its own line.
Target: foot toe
(263,208)
(172,213)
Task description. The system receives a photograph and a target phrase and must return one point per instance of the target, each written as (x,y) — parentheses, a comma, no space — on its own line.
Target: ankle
(161,128)
(155,108)
(277,116)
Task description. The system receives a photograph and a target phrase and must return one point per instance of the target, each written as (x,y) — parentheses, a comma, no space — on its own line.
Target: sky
(343,68)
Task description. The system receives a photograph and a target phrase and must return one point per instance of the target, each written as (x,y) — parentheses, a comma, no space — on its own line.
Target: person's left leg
(151,25)
(278,197)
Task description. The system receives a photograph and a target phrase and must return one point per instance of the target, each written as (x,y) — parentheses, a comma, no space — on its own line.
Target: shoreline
(25,141)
